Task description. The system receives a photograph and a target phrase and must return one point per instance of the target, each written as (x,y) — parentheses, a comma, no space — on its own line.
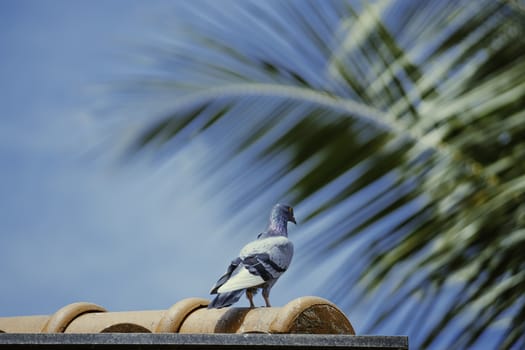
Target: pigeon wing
(242,280)
(261,261)
(224,278)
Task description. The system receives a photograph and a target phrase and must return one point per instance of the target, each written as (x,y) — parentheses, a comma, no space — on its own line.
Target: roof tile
(311,315)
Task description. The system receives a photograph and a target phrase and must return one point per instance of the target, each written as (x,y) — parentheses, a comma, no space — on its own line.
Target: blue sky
(75,223)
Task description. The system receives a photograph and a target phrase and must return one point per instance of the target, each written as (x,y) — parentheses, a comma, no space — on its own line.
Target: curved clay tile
(303,315)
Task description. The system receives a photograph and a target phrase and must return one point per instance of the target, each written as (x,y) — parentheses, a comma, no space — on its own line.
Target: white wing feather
(243,279)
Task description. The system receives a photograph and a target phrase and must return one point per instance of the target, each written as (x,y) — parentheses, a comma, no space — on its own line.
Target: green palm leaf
(400,125)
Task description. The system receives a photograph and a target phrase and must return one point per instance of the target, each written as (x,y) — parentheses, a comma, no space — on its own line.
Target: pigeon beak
(292,219)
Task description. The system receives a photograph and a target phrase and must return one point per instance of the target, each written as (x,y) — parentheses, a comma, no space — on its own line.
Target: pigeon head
(281,214)
(283,211)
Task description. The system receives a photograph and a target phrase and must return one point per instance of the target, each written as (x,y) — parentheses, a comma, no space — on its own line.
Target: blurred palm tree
(398,125)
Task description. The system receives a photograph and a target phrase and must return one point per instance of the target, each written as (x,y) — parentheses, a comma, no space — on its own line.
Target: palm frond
(404,135)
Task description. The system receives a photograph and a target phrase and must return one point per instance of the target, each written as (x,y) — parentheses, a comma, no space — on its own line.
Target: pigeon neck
(278,226)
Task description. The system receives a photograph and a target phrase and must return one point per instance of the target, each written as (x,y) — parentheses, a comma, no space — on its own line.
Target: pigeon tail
(226,299)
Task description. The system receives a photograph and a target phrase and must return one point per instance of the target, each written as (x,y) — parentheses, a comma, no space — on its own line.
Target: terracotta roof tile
(303,315)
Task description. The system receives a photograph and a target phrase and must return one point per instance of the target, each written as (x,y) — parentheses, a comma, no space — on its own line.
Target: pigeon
(259,264)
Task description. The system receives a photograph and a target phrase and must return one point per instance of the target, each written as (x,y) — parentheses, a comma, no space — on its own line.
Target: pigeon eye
(290,210)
